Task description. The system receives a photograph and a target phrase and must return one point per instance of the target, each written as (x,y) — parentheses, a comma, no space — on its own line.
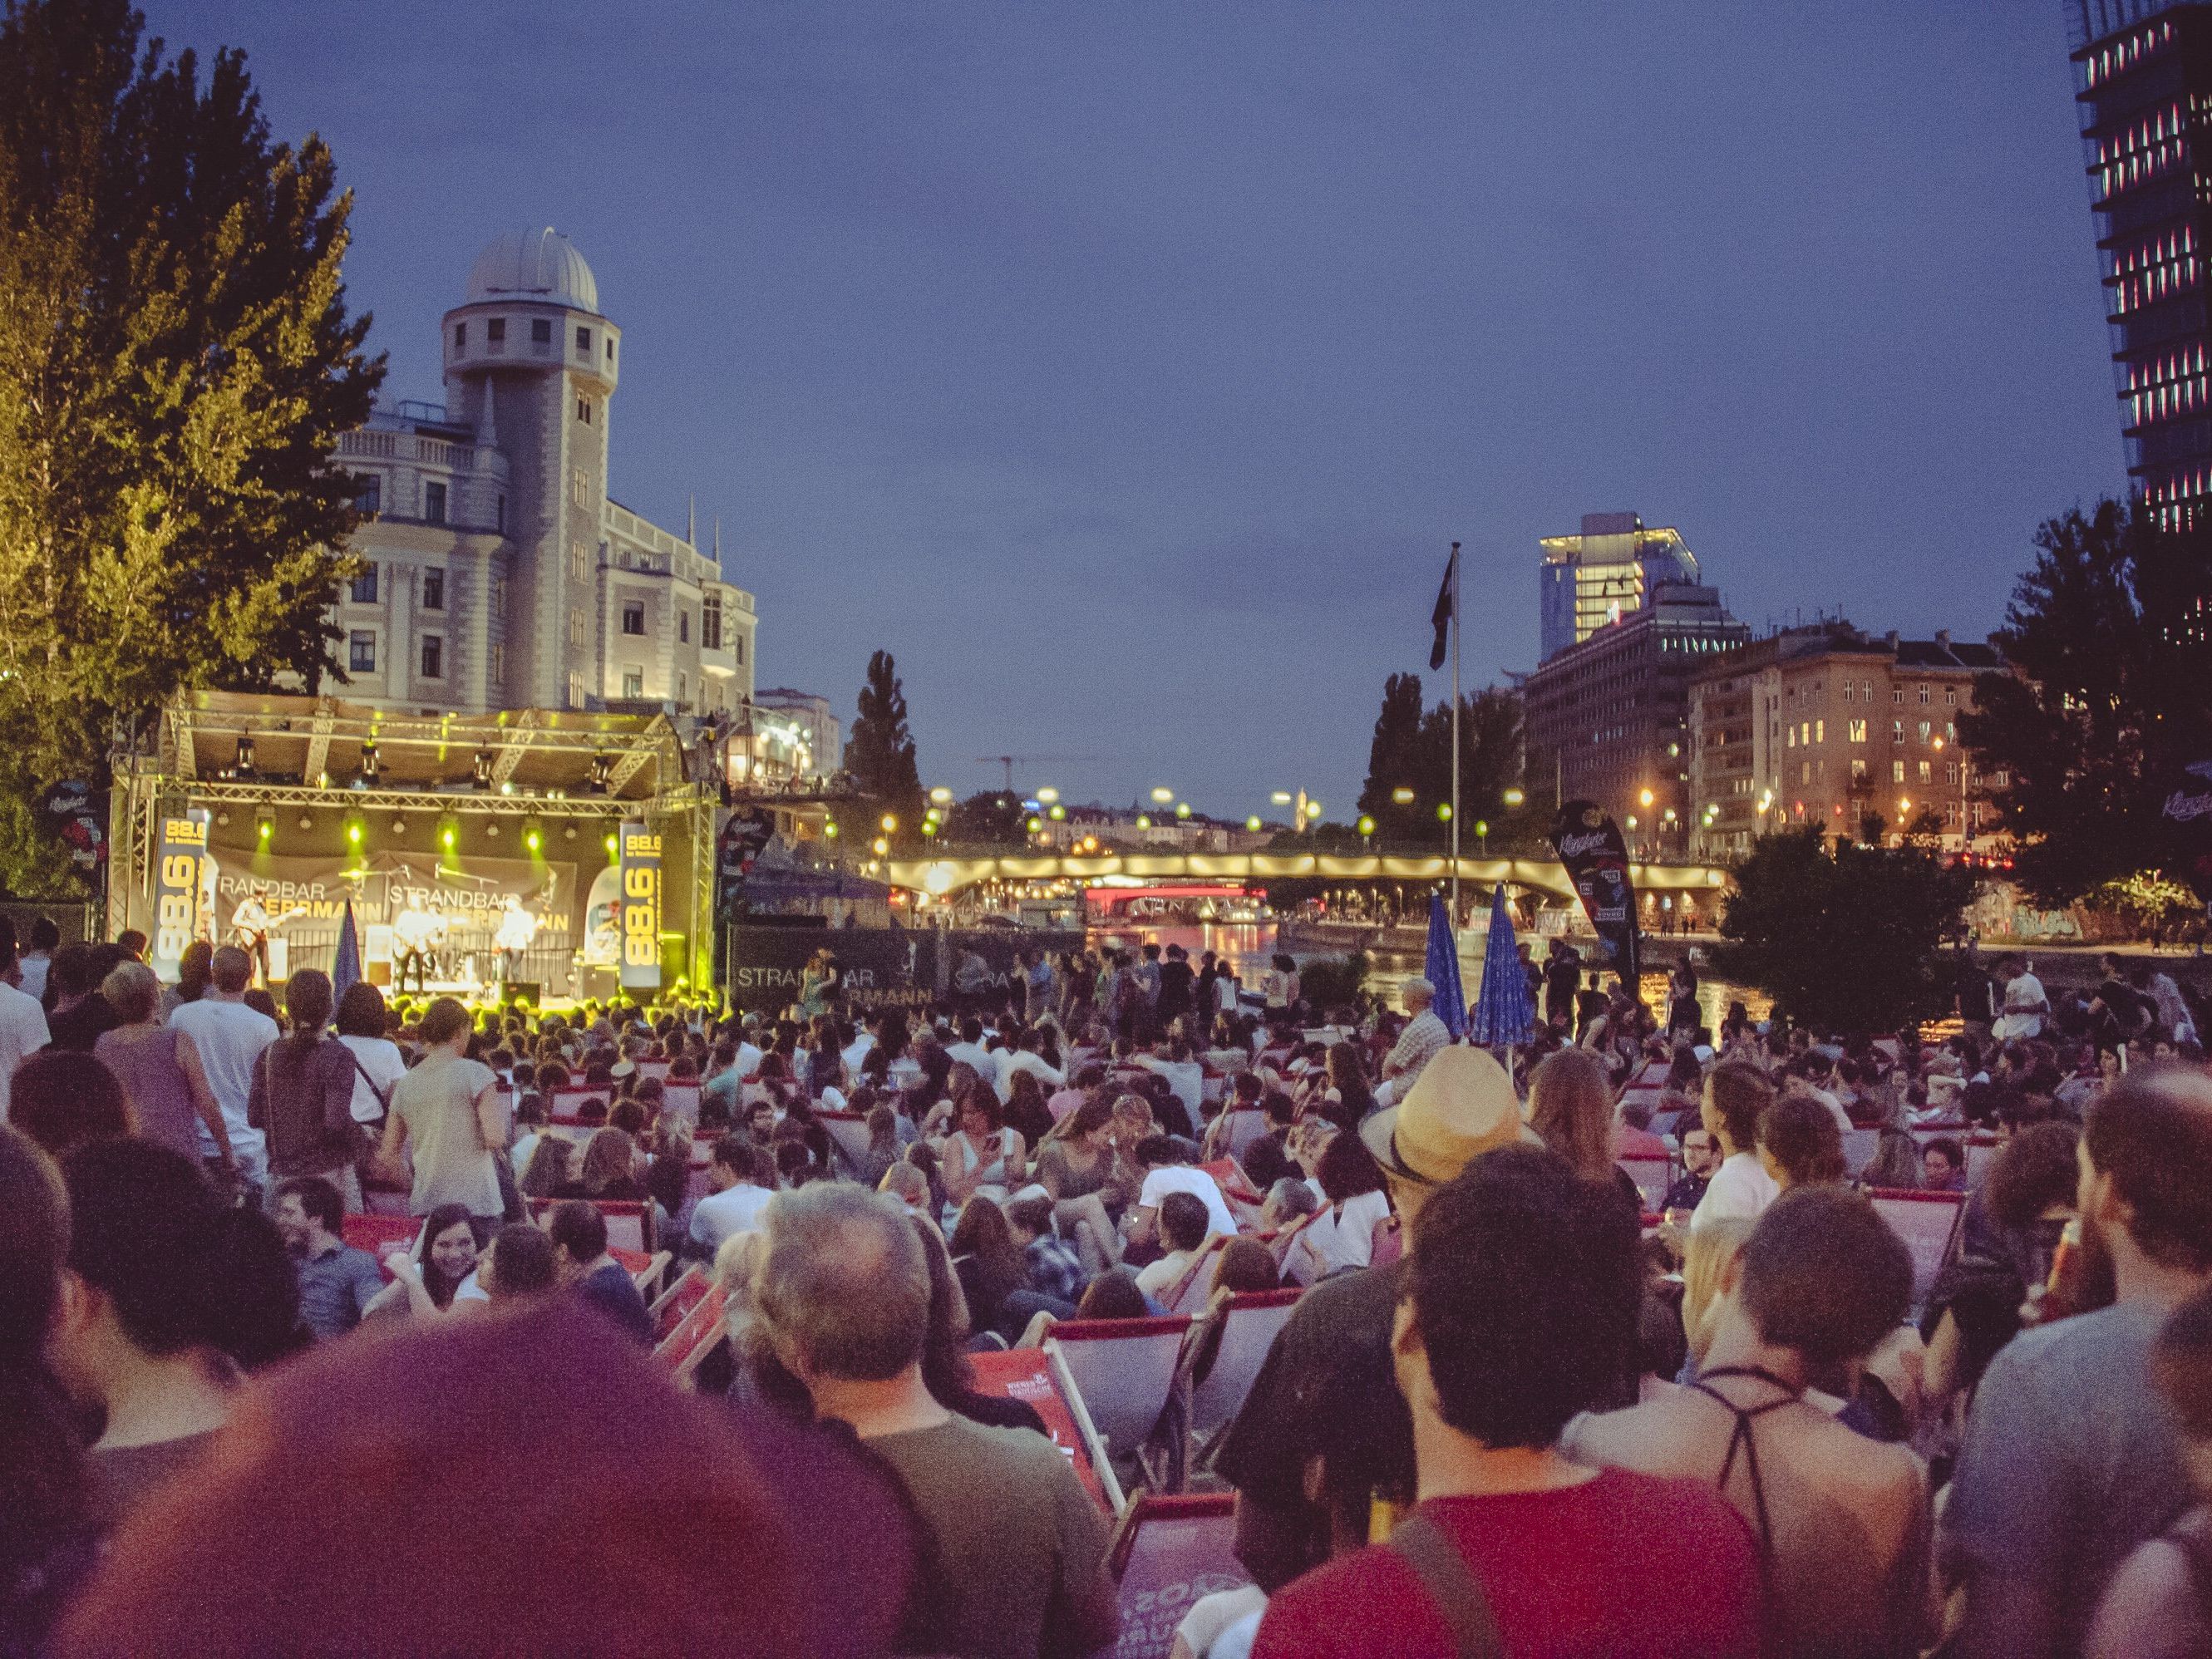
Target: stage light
(399,826)
(570,833)
(448,837)
(246,757)
(603,771)
(306,821)
(369,765)
(354,831)
(491,830)
(265,824)
(612,846)
(534,838)
(222,818)
(480,772)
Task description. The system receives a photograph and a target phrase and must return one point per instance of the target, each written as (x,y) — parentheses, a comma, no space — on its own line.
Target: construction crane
(1009,762)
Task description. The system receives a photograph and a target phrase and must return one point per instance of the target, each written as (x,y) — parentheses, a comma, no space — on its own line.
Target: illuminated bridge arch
(942,877)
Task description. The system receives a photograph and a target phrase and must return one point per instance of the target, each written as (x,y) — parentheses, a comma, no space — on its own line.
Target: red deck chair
(1167,1552)
(1121,1371)
(1249,1325)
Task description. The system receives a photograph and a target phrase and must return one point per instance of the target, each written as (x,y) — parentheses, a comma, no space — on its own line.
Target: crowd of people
(1522,1405)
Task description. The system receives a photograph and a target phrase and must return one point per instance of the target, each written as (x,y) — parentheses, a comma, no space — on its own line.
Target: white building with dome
(501,573)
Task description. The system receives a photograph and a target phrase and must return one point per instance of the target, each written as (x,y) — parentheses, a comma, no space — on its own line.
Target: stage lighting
(354,831)
(306,820)
(265,824)
(570,833)
(491,830)
(245,763)
(399,826)
(610,846)
(480,773)
(603,771)
(368,764)
(533,837)
(448,837)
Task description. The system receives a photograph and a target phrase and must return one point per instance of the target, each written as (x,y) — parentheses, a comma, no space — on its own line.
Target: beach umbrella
(1503,1011)
(345,972)
(1442,969)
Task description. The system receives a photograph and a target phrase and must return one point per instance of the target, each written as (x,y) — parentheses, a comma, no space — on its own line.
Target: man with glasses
(1699,1155)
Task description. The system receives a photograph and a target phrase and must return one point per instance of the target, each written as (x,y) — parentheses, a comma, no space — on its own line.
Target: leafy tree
(992,819)
(880,752)
(2112,698)
(1844,941)
(1395,760)
(176,361)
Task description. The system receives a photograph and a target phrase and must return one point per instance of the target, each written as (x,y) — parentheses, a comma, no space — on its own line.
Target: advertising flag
(1589,844)
(641,908)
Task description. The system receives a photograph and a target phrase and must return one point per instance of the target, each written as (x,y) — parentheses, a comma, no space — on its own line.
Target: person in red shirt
(1518,1310)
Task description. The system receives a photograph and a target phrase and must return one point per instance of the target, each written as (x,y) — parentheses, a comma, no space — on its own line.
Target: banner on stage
(305,897)
(641,908)
(1590,846)
(184,890)
(878,967)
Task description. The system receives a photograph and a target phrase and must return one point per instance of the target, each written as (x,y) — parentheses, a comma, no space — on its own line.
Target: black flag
(1596,858)
(1443,616)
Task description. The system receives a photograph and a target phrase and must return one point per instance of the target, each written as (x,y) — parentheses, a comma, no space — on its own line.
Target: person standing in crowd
(1518,1309)
(76,1013)
(22,1031)
(1323,1430)
(158,1068)
(1735,1097)
(48,1496)
(337,1281)
(364,1026)
(1177,979)
(169,1293)
(229,1038)
(2071,1459)
(842,1294)
(302,1098)
(1425,1037)
(1842,1521)
(579,1233)
(446,1115)
(45,940)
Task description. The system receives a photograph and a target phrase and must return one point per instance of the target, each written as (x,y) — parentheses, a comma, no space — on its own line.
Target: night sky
(1126,369)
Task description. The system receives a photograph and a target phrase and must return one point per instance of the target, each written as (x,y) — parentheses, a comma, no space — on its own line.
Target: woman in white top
(446,1115)
(360,1024)
(1341,1236)
(985,1157)
(1736,1095)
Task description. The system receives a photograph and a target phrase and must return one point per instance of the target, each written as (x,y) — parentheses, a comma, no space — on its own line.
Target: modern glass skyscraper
(2143,70)
(1605,574)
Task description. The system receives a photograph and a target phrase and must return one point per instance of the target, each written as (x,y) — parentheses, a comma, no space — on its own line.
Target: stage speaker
(522,990)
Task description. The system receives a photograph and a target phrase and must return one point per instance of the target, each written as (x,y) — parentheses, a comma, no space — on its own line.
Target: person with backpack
(301,1096)
(1517,1309)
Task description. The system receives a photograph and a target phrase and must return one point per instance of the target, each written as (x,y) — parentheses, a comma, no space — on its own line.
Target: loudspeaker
(522,990)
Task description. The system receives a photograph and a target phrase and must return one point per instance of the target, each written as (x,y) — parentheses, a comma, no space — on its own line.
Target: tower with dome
(500,571)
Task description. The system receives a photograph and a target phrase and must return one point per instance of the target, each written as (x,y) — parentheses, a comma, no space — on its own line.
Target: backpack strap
(1455,1591)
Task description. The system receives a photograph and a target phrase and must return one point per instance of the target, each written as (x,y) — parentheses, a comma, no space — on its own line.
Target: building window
(434,502)
(583,410)
(1950,771)
(634,617)
(1819,731)
(1897,771)
(611,347)
(1950,731)
(364,584)
(541,330)
(498,663)
(1858,768)
(1951,697)
(576,630)
(1926,732)
(738,643)
(683,628)
(1858,731)
(496,330)
(433,588)
(583,339)
(578,561)
(1897,731)
(1897,694)
(1847,691)
(368,494)
(360,656)
(1923,694)
(1927,773)
(575,690)
(433,657)
(460,336)
(580,484)
(1804,771)
(710,624)
(682,689)
(499,514)
(633,683)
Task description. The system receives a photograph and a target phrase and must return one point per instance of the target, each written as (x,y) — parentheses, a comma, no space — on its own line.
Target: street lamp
(1645,798)
(1160,797)
(1366,831)
(1048,795)
(1281,797)
(1401,796)
(891,824)
(1513,797)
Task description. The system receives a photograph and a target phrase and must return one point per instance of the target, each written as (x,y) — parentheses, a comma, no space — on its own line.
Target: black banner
(1589,844)
(742,839)
(2188,808)
(879,967)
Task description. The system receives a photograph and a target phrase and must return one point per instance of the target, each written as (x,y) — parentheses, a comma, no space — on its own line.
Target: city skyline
(983,334)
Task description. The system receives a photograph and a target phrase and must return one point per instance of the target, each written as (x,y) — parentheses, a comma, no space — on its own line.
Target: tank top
(143,1058)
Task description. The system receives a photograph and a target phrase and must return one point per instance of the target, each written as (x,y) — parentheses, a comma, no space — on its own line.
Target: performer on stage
(517,928)
(415,932)
(249,931)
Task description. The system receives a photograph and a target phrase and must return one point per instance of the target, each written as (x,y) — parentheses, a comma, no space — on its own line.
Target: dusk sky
(1126,370)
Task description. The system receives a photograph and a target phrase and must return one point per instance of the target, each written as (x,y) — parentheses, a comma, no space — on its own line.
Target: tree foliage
(880,752)
(1412,750)
(2110,699)
(176,362)
(992,819)
(1844,941)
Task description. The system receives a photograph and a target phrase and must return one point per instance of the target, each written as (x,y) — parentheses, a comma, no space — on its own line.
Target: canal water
(1248,947)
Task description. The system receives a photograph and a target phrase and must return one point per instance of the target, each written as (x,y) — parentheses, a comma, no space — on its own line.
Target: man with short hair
(843,1295)
(579,1233)
(2070,1458)
(1055,1269)
(1518,1309)
(1323,1428)
(230,1037)
(1842,1520)
(1425,1037)
(1701,1158)
(520,1262)
(738,1191)
(337,1281)
(1167,1170)
(1175,981)
(1182,1231)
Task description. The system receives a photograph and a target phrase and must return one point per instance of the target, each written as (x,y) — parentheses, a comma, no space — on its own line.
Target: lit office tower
(1606,572)
(2143,68)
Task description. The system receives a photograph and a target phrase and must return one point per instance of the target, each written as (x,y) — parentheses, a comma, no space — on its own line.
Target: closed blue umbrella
(1504,1013)
(1442,969)
(345,972)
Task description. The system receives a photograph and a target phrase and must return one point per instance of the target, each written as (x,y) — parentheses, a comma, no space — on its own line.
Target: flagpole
(1455,740)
